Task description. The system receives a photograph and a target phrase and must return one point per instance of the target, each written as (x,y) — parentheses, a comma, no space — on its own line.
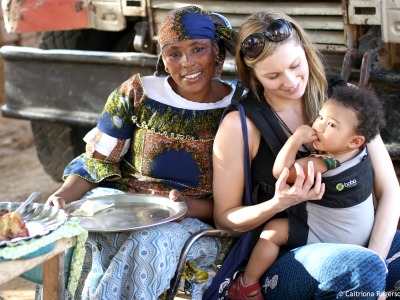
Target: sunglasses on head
(277,31)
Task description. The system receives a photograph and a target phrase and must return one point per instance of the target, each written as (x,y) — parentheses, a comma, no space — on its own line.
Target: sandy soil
(21,170)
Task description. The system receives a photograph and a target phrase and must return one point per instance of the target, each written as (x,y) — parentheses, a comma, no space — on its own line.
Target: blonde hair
(315,93)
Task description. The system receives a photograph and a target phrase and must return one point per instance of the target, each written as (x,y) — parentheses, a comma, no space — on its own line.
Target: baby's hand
(305,134)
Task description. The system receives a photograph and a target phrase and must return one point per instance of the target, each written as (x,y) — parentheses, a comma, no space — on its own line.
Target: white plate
(129,212)
(39,219)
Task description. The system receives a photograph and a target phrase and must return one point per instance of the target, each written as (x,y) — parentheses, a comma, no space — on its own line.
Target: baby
(347,121)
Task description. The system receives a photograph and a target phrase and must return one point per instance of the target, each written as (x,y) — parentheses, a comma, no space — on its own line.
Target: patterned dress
(154,141)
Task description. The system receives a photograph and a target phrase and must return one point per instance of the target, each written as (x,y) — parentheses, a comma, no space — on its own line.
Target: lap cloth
(140,264)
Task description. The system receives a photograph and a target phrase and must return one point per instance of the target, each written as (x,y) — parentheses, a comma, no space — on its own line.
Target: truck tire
(58,144)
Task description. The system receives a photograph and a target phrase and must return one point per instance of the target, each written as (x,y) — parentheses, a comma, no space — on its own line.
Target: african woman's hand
(56,201)
(176,195)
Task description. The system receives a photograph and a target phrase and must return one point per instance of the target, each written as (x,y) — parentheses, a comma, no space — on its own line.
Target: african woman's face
(284,74)
(191,65)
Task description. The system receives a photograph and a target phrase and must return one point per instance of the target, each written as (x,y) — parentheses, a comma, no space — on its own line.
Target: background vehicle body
(90,49)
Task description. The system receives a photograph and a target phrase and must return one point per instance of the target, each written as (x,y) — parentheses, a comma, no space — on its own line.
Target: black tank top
(263,182)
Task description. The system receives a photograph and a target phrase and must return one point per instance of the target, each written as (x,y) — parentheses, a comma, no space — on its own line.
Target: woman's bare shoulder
(231,119)
(232,126)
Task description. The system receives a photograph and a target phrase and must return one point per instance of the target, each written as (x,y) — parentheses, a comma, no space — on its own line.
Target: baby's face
(335,127)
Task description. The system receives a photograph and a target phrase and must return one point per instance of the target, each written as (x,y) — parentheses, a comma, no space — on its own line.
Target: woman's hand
(56,201)
(72,189)
(176,195)
(302,189)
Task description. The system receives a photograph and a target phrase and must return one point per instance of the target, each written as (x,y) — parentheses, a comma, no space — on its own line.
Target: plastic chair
(172,291)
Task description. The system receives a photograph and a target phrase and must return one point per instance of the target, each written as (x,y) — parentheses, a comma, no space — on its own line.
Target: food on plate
(12,226)
(89,208)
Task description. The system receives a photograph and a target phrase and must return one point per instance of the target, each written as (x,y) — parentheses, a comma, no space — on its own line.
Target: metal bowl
(40,220)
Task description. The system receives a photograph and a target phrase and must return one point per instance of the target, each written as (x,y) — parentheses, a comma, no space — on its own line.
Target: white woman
(284,73)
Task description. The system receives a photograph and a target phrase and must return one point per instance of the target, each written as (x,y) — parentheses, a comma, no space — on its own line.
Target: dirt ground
(21,170)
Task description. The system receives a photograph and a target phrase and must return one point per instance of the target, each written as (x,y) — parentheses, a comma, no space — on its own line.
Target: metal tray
(130,212)
(40,220)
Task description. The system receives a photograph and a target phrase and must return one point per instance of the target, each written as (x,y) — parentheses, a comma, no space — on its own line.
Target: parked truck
(88,47)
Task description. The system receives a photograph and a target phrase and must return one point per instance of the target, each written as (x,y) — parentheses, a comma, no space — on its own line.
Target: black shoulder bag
(236,260)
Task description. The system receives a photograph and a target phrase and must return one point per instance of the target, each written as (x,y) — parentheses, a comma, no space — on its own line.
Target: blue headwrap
(197,26)
(184,24)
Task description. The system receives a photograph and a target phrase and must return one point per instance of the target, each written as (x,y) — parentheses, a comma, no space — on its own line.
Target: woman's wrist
(275,206)
(199,208)
(65,193)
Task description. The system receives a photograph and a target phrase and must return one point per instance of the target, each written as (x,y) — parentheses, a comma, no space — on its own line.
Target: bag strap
(238,92)
(247,174)
(265,120)
(237,95)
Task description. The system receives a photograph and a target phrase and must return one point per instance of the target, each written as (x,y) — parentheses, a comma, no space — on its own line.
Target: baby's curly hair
(367,107)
